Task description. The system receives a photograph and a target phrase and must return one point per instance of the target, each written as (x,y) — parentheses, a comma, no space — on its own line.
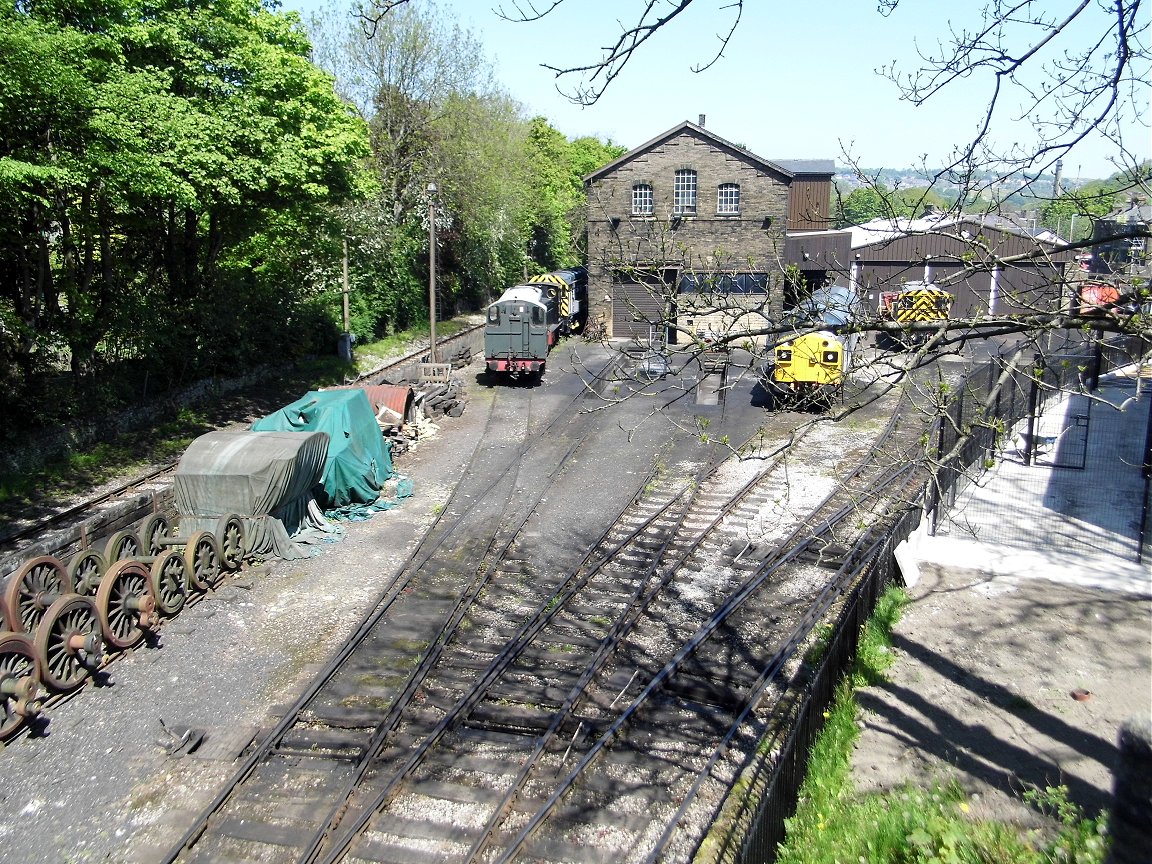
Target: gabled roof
(788,167)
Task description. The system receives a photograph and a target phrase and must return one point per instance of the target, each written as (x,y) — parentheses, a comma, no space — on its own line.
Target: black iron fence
(989,403)
(777,779)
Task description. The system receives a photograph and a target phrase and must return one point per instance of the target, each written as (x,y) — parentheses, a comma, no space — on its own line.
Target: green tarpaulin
(359,459)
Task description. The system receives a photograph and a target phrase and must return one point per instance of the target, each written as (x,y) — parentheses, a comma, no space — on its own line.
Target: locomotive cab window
(537,315)
(493,314)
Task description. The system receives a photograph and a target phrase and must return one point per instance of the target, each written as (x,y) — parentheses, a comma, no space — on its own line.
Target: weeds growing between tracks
(834,823)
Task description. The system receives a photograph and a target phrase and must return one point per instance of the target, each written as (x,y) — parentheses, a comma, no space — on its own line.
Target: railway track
(341,722)
(463,757)
(503,667)
(95,578)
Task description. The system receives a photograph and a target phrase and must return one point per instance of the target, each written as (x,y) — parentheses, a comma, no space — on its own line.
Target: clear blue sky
(798,80)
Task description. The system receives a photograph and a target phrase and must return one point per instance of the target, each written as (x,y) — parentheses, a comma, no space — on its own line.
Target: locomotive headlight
(831,357)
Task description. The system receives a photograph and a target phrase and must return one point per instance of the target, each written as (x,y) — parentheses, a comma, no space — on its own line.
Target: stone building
(694,230)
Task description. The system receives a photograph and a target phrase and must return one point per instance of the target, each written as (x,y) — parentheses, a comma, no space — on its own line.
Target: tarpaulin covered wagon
(269,479)
(359,460)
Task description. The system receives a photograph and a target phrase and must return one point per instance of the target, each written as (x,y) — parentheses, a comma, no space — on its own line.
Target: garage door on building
(640,305)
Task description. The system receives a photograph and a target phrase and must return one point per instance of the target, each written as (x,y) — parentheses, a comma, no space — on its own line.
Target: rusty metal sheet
(390,402)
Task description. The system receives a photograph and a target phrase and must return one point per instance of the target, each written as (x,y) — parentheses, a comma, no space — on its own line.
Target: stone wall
(753,240)
(50,444)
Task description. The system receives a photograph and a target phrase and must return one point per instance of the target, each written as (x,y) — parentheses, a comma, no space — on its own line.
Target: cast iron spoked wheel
(230,536)
(68,642)
(123,545)
(31,590)
(126,604)
(85,571)
(19,682)
(152,530)
(170,582)
(202,555)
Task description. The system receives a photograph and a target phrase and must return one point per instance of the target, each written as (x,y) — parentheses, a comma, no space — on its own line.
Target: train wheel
(126,604)
(202,555)
(19,682)
(85,571)
(230,534)
(68,642)
(31,590)
(152,530)
(170,582)
(123,545)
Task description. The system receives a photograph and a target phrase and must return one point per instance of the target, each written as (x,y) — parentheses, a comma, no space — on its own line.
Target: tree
(509,192)
(151,155)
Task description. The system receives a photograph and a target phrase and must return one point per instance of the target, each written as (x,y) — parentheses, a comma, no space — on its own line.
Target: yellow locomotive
(914,303)
(808,370)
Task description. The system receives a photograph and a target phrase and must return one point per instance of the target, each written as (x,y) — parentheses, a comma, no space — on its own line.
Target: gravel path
(100,785)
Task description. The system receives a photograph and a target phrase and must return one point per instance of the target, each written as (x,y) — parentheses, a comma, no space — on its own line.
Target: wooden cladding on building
(809,201)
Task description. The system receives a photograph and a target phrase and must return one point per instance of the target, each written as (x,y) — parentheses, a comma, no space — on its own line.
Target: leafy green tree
(863,205)
(153,152)
(1072,213)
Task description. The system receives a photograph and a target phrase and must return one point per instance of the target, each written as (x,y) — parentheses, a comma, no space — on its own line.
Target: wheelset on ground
(69,643)
(20,699)
(56,620)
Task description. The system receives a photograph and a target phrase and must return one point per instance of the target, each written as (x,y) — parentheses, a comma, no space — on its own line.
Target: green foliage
(876,201)
(1074,212)
(162,164)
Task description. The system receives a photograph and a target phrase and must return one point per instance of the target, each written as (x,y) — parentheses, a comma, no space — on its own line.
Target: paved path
(1028,639)
(1073,515)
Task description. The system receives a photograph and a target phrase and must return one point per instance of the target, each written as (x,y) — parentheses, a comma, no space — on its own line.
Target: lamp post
(432,272)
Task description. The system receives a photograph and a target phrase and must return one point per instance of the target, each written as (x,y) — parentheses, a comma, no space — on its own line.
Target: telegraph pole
(432,272)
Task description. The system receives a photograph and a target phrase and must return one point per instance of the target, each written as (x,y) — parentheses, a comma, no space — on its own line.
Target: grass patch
(834,823)
(371,355)
(74,473)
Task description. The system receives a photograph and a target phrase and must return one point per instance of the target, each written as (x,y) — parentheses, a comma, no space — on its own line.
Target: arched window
(642,200)
(728,198)
(685,192)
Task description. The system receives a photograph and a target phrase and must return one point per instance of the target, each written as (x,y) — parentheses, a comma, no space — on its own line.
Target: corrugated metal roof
(882,230)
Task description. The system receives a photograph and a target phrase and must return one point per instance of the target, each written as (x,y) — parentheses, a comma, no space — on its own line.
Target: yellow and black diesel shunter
(529,318)
(807,371)
(914,303)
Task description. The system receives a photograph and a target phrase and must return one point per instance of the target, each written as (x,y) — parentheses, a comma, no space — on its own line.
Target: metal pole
(1142,540)
(432,272)
(347,326)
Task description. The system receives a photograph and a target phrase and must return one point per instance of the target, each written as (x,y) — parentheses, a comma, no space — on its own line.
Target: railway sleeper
(830,556)
(281,832)
(328,743)
(647,786)
(533,693)
(512,718)
(548,848)
(376,848)
(458,792)
(704,691)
